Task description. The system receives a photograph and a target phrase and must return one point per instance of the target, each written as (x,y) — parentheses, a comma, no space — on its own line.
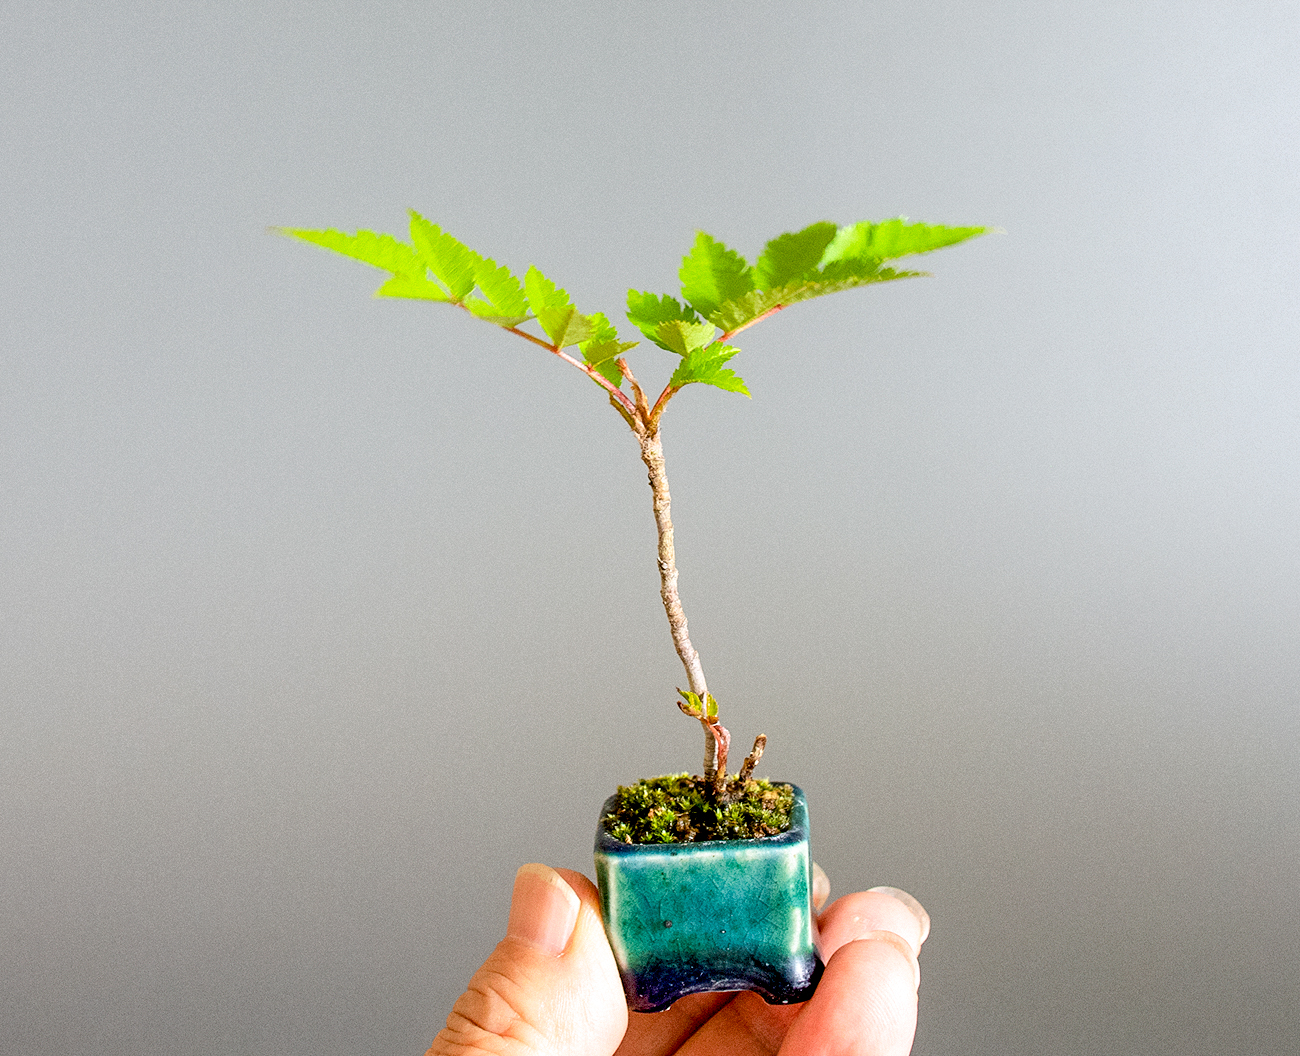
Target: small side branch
(721,738)
(745,326)
(751,760)
(615,393)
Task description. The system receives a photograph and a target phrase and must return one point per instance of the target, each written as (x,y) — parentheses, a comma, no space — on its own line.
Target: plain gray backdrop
(320,614)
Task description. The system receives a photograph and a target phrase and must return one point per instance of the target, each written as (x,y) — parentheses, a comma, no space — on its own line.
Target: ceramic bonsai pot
(689,918)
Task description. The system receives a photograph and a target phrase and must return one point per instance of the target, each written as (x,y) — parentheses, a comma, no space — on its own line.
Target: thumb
(551,987)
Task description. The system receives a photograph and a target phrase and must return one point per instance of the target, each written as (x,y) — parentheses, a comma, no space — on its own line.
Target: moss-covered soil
(675,809)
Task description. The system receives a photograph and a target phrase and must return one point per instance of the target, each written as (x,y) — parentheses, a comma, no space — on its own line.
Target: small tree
(722,294)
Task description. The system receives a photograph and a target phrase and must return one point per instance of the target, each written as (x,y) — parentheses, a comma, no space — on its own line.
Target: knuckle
(485,1021)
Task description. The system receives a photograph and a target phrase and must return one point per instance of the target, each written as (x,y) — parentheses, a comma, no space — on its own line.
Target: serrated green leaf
(604,347)
(738,314)
(542,293)
(603,331)
(609,370)
(412,286)
(891,239)
(707,366)
(841,275)
(597,352)
(567,327)
(682,337)
(377,250)
(646,311)
(793,255)
(711,273)
(555,313)
(503,299)
(692,706)
(712,706)
(489,313)
(453,262)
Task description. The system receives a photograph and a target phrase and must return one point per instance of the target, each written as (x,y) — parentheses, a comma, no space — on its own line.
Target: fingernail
(543,909)
(821,886)
(918,910)
(901,945)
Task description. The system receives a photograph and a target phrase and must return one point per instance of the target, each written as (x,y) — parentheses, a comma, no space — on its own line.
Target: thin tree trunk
(652,454)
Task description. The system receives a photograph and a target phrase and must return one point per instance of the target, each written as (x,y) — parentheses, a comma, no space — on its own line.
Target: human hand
(551,987)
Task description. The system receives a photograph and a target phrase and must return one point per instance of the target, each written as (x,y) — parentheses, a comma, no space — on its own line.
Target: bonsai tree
(722,294)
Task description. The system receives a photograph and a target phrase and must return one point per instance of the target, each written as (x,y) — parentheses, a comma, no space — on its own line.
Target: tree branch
(652,454)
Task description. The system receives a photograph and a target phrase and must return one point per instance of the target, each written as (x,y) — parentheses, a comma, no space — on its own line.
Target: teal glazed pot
(690,918)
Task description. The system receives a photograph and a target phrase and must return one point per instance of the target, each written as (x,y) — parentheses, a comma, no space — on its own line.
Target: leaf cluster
(677,808)
(435,266)
(721,292)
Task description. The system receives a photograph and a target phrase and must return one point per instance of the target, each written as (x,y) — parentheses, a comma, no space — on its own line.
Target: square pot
(689,918)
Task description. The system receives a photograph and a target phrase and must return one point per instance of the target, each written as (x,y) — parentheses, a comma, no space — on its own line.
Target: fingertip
(901,945)
(917,910)
(852,916)
(582,885)
(821,886)
(543,909)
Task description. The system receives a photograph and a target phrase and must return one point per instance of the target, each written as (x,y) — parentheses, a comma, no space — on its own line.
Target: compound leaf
(711,274)
(453,262)
(794,255)
(707,366)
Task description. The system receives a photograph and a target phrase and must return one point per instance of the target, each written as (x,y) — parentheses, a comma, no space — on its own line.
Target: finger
(821,886)
(746,1026)
(911,903)
(854,916)
(865,1004)
(661,1033)
(551,984)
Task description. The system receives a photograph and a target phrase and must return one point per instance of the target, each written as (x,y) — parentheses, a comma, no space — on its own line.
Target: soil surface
(676,809)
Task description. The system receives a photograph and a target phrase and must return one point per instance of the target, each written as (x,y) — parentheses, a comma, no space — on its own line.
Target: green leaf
(738,314)
(684,338)
(453,262)
(794,255)
(555,312)
(380,251)
(646,311)
(609,370)
(503,299)
(603,343)
(712,706)
(604,347)
(691,705)
(707,366)
(891,239)
(412,286)
(841,275)
(711,274)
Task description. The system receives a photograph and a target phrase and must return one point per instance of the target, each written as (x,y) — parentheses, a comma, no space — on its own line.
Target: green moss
(675,809)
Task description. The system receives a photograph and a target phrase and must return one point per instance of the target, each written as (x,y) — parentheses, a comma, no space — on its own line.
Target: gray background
(321,614)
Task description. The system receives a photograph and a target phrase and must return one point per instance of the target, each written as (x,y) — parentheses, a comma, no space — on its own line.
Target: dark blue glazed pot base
(701,917)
